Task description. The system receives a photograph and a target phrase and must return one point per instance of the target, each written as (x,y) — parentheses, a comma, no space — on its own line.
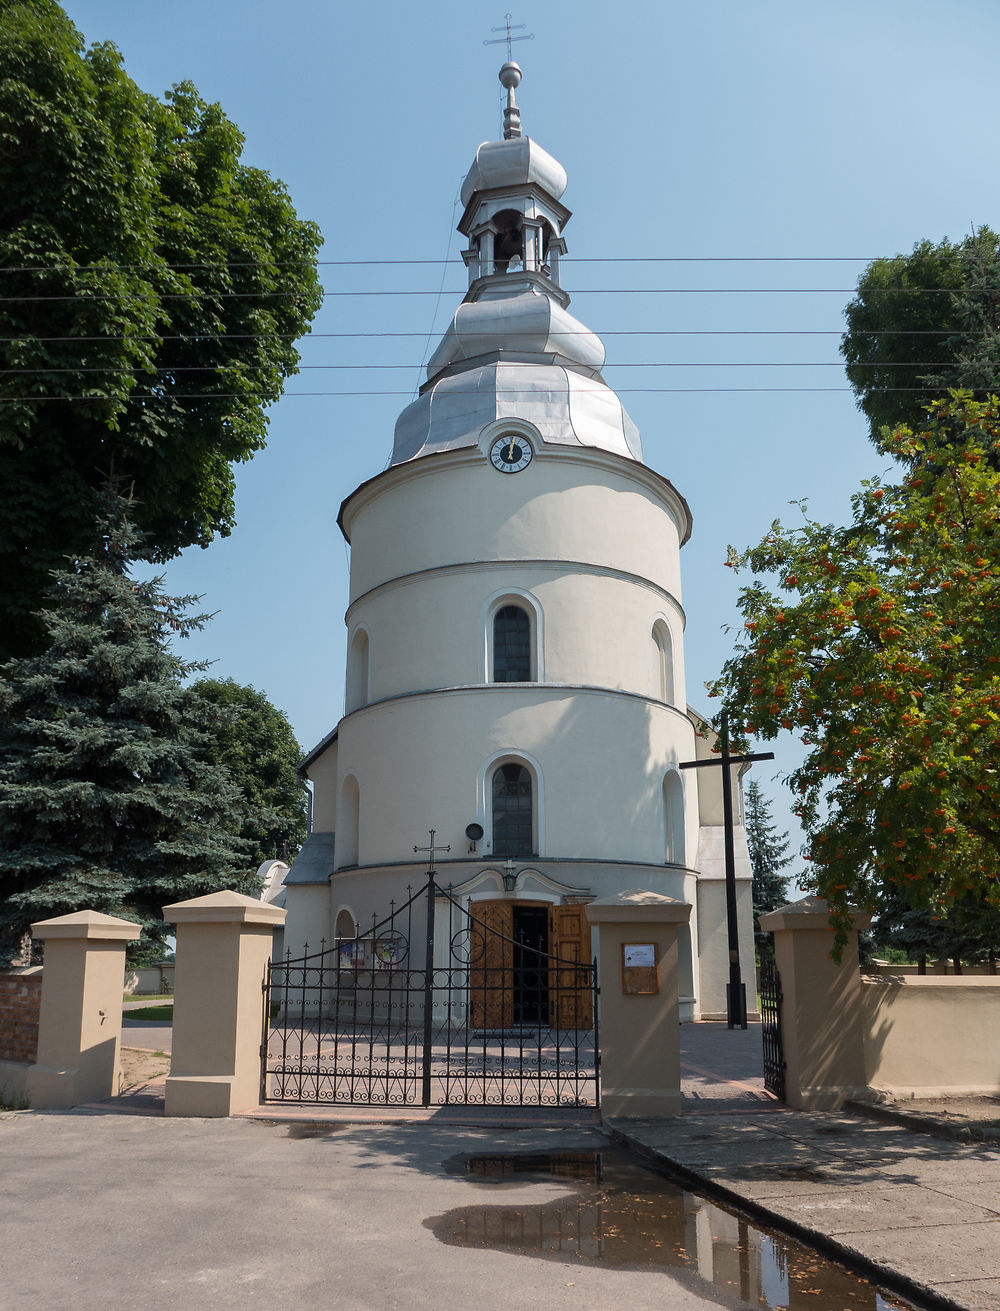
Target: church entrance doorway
(531,982)
(504,1013)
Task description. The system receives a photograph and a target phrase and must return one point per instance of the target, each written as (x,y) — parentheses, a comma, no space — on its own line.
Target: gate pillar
(80,1024)
(223,945)
(821,1027)
(640,1015)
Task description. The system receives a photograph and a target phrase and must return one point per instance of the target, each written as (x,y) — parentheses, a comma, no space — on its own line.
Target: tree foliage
(923,324)
(767,848)
(254,741)
(151,289)
(881,648)
(107,798)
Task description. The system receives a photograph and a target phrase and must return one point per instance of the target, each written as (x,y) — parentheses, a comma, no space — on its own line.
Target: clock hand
(510,448)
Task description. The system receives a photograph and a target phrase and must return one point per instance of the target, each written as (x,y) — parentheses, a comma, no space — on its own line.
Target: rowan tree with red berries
(880,645)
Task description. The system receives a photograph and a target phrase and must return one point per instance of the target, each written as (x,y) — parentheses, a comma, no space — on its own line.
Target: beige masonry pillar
(80,1024)
(640,1017)
(223,945)
(821,1021)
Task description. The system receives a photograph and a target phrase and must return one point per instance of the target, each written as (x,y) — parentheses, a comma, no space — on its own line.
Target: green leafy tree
(107,798)
(151,289)
(767,859)
(923,324)
(255,743)
(881,648)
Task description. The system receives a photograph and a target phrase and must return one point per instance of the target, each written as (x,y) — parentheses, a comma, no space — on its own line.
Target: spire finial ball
(510,76)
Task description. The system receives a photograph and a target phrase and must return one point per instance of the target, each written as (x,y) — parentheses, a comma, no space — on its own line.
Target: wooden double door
(531,966)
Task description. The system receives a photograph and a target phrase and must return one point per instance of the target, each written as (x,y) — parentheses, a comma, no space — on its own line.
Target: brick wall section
(20,1003)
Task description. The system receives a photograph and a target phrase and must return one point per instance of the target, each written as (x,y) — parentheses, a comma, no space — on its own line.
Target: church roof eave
(634,467)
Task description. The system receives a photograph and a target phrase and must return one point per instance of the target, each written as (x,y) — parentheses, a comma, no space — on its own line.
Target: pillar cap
(807,914)
(224,908)
(638,906)
(88,924)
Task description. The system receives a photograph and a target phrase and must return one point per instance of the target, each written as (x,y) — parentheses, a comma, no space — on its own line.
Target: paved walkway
(906,1195)
(902,1198)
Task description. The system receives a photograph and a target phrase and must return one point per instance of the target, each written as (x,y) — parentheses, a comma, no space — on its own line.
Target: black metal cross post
(429,967)
(736,993)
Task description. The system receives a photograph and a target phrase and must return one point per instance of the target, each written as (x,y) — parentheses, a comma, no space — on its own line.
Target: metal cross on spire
(509,38)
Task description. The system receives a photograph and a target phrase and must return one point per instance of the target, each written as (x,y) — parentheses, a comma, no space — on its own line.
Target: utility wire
(460,291)
(643,364)
(584,332)
(455,263)
(222,396)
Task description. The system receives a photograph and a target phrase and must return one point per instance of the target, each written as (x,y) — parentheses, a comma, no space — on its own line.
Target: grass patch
(151,1013)
(10,1102)
(152,997)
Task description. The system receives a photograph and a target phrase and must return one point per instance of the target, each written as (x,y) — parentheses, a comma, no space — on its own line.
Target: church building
(515,655)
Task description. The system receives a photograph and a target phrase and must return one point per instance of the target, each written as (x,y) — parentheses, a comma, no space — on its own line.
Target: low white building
(515,669)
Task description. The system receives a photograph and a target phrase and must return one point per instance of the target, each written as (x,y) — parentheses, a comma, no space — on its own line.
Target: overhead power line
(460,291)
(583,332)
(454,263)
(403,368)
(222,396)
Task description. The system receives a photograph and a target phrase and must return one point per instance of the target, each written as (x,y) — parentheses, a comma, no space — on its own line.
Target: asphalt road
(103,1210)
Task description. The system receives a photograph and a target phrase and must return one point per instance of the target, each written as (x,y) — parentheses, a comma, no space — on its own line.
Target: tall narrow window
(511,645)
(513,826)
(673,819)
(663,663)
(348,823)
(357,672)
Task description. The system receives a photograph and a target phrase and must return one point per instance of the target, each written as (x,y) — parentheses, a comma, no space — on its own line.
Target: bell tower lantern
(513,217)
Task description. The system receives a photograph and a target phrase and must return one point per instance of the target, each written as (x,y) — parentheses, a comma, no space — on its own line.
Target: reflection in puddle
(622,1213)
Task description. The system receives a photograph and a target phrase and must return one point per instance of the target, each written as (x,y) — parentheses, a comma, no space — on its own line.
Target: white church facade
(515,667)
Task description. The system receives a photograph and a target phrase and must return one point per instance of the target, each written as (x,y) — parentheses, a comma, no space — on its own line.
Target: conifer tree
(107,798)
(767,859)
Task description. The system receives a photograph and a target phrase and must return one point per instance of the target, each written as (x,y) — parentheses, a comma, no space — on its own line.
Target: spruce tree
(108,800)
(767,859)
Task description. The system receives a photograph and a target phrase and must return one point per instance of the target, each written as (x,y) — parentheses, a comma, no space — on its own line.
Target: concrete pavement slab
(852,1208)
(976,1294)
(934,1255)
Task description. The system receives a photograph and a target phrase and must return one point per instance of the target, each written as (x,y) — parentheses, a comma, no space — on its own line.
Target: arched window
(348,822)
(511,645)
(513,814)
(346,927)
(673,819)
(357,671)
(663,663)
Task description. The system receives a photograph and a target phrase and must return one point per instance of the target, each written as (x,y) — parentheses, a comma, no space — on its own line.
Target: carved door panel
(571,1000)
(491,969)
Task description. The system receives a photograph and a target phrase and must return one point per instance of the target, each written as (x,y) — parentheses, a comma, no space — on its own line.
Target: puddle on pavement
(304,1128)
(624,1214)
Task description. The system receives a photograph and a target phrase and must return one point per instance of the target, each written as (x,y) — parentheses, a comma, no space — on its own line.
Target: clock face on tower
(511,453)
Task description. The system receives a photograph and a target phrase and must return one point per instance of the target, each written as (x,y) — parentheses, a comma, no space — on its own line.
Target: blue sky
(701,134)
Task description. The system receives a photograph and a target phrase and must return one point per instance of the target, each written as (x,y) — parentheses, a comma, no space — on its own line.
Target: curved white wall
(572,504)
(420,763)
(432,630)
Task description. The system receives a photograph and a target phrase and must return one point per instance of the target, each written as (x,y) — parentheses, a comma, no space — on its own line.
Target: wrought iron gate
(491,1021)
(770,1014)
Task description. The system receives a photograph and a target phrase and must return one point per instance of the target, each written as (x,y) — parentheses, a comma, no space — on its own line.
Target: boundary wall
(876,1037)
(20,1006)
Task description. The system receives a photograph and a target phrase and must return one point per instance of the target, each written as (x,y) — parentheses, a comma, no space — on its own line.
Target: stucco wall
(452,509)
(600,759)
(931,1036)
(591,626)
